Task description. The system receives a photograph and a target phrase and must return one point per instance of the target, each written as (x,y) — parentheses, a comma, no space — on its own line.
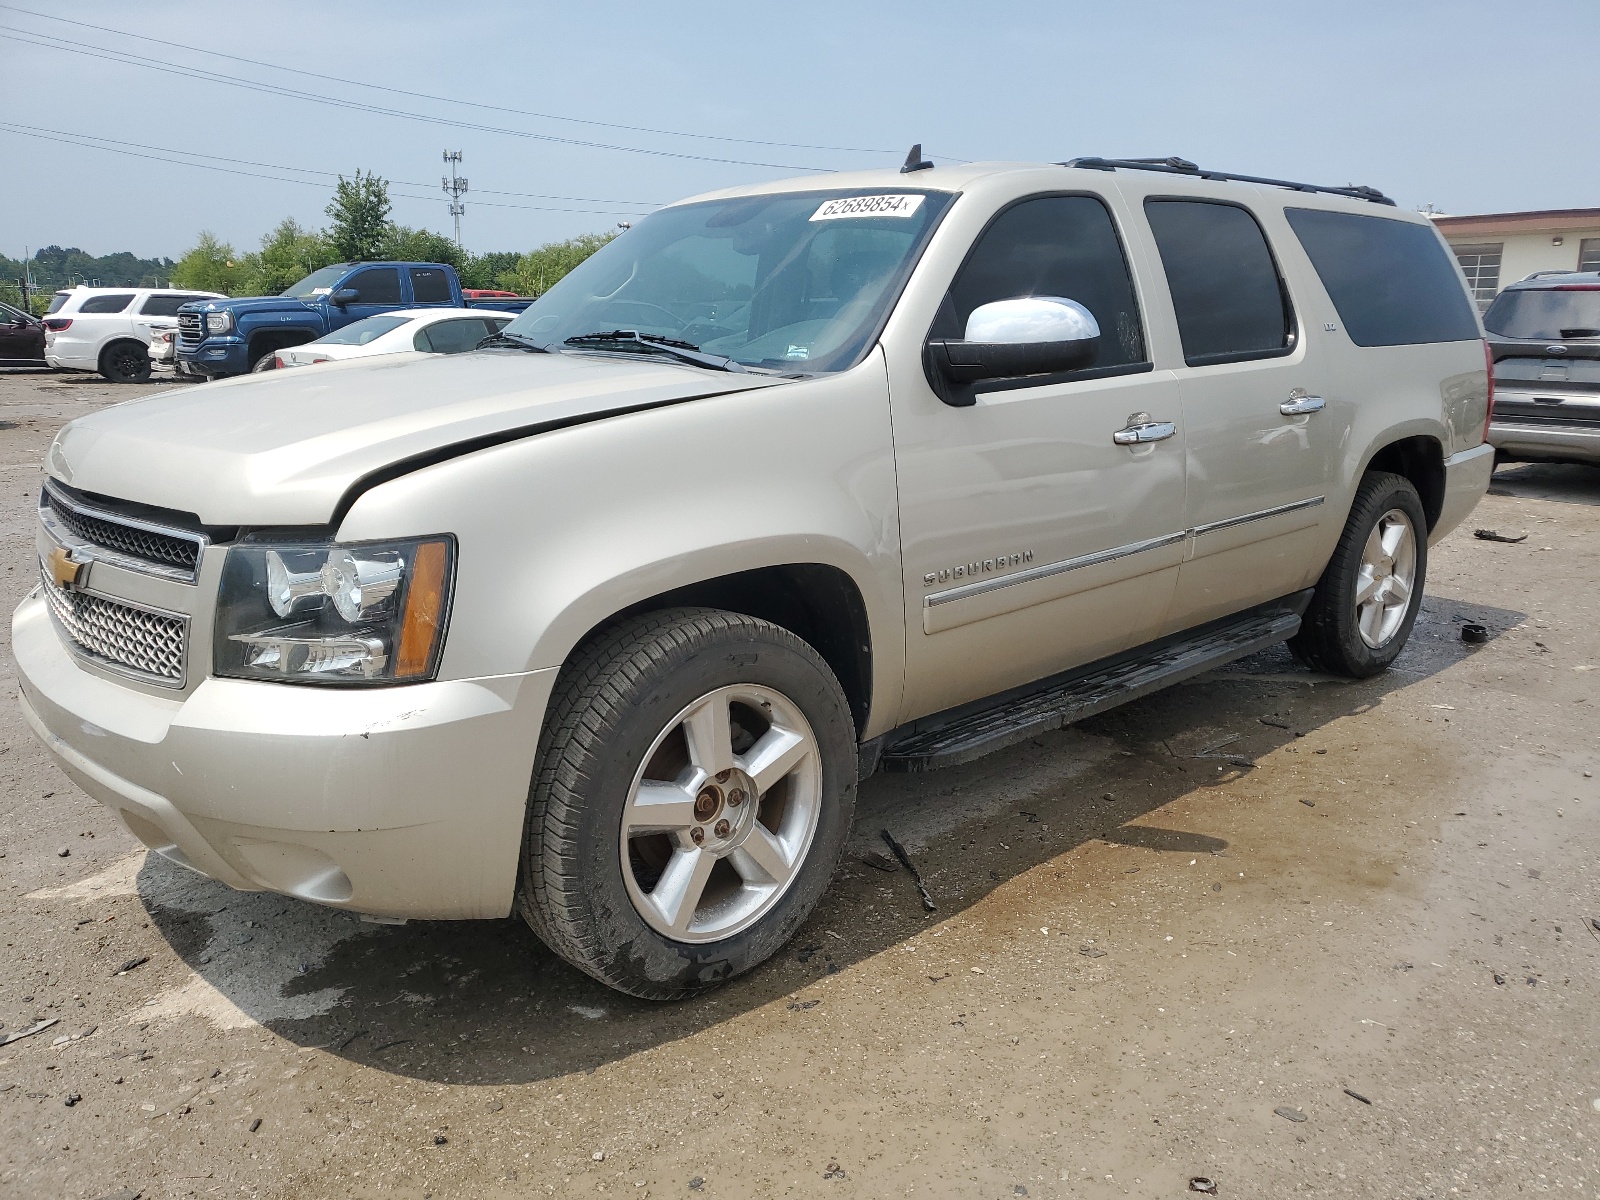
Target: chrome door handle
(1299,406)
(1138,432)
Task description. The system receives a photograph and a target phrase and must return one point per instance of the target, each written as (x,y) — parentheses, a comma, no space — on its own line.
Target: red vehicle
(488,294)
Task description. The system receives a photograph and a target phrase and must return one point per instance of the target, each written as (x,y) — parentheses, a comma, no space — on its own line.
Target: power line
(246,162)
(127,58)
(255,62)
(72,140)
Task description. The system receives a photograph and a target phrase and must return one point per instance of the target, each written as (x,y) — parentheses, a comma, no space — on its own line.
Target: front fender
(561,530)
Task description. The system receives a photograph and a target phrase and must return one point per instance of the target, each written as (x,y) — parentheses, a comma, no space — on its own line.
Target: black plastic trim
(1179,166)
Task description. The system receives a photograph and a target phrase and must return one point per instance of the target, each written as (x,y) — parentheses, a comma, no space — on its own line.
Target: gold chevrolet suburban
(602,622)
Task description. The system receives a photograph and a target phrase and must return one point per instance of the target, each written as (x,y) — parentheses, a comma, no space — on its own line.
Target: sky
(620,107)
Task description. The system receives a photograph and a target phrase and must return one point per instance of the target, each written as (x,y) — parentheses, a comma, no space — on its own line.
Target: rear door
(430,288)
(1032,542)
(1264,430)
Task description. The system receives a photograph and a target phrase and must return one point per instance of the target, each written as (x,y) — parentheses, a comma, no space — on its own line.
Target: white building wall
(1524,253)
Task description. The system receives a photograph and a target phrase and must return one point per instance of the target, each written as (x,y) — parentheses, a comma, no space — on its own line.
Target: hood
(252,304)
(282,448)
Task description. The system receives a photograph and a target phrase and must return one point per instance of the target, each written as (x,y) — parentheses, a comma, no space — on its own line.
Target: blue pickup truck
(231,337)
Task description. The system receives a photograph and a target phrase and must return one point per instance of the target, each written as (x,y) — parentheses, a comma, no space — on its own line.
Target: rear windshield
(1393,282)
(359,333)
(106,304)
(57,301)
(1551,313)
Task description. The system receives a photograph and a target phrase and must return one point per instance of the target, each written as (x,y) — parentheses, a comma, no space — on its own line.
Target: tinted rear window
(1392,282)
(57,301)
(429,285)
(1547,313)
(106,304)
(1225,288)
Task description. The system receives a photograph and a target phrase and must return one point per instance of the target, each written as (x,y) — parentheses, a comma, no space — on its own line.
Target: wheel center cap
(726,808)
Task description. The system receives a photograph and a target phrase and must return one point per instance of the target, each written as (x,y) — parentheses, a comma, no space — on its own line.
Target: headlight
(219,322)
(372,613)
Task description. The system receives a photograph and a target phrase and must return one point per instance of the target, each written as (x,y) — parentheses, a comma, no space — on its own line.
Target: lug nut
(722,828)
(722,776)
(736,797)
(697,835)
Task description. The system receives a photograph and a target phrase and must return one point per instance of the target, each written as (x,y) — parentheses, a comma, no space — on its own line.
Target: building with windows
(1500,248)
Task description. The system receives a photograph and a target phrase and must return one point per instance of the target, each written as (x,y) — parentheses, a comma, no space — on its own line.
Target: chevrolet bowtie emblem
(63,570)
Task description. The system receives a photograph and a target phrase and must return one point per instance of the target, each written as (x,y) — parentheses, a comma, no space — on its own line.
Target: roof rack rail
(1182,166)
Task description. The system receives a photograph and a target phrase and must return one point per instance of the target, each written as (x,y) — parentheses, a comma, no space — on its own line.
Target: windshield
(359,333)
(318,283)
(798,282)
(1549,313)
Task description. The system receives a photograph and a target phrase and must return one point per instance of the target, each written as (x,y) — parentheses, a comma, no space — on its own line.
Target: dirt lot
(1372,906)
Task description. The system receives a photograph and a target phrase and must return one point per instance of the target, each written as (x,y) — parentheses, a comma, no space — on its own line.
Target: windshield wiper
(512,339)
(682,351)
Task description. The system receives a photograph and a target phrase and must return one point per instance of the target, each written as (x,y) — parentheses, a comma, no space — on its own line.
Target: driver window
(380,285)
(1052,246)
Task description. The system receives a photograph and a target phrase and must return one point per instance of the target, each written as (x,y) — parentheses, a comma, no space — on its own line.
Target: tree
(485,270)
(419,245)
(360,217)
(209,267)
(288,254)
(538,271)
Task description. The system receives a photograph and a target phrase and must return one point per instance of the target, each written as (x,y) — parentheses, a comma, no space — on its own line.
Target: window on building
(1481,262)
(1230,303)
(1589,254)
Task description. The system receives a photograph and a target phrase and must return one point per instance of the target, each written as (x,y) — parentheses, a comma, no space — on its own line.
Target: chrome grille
(137,641)
(169,552)
(191,328)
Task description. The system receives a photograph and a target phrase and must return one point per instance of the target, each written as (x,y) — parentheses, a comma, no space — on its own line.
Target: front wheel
(695,786)
(125,362)
(267,362)
(1367,599)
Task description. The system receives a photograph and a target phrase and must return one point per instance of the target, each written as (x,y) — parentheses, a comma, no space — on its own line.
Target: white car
(109,329)
(428,330)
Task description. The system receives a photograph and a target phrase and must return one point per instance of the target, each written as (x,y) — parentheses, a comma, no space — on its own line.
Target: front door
(1263,435)
(1031,541)
(377,291)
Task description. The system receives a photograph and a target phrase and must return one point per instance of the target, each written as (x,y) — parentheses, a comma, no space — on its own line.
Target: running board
(1096,688)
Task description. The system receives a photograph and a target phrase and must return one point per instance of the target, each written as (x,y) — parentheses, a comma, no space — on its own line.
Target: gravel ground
(1171,942)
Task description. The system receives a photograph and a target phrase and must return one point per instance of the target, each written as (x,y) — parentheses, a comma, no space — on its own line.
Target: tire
(125,362)
(631,706)
(1334,636)
(267,362)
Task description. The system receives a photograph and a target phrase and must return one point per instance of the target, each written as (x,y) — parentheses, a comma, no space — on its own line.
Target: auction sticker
(867,206)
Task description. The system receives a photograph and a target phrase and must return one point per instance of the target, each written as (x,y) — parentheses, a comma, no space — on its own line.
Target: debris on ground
(71,1099)
(802,1005)
(1091,952)
(1356,1096)
(1201,1183)
(36,1027)
(1474,634)
(1491,535)
(130,965)
(696,1184)
(255,1125)
(1274,722)
(833,1170)
(905,861)
(64,852)
(1290,1114)
(1499,978)
(878,862)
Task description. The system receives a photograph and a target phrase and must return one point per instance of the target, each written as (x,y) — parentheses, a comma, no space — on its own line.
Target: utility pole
(27,280)
(455,187)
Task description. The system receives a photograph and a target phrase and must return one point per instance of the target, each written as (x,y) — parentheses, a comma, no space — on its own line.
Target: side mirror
(1005,339)
(345,296)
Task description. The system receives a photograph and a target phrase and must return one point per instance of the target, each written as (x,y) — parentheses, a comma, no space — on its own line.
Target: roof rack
(1182,166)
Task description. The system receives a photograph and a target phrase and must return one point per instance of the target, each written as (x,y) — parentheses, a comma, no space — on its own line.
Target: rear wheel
(695,786)
(125,362)
(1366,602)
(267,362)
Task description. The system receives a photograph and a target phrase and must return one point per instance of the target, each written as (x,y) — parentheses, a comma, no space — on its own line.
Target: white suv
(109,329)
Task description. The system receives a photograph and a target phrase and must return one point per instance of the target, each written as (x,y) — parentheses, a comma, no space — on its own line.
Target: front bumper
(1466,480)
(399,802)
(1546,441)
(214,356)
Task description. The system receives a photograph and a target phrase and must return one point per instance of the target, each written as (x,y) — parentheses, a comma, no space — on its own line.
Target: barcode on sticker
(867,206)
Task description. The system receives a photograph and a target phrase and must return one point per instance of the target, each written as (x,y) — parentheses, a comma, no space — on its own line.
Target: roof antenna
(915,161)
